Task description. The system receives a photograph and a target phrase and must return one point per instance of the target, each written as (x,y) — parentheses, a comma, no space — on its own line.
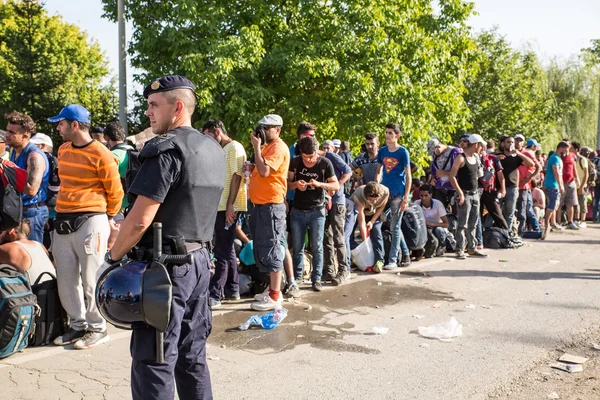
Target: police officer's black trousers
(185,340)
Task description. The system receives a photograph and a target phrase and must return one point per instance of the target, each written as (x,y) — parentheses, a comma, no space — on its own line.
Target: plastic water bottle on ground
(267,321)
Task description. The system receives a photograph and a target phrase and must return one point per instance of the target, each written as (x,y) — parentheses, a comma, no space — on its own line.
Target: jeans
(226,269)
(335,243)
(479,231)
(396,229)
(466,228)
(509,205)
(313,220)
(596,204)
(377,241)
(37,216)
(349,226)
(525,211)
(440,234)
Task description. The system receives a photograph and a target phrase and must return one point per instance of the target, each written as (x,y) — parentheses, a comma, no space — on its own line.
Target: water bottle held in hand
(228,225)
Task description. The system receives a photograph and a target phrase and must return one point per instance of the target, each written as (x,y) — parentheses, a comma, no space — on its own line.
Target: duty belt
(170,247)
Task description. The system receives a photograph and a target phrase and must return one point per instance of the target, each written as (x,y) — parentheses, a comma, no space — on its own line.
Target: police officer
(179,184)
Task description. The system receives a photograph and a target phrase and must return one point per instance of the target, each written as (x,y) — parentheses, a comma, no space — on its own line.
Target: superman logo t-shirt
(394,164)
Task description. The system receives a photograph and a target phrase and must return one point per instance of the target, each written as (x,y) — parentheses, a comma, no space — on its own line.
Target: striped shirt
(89,179)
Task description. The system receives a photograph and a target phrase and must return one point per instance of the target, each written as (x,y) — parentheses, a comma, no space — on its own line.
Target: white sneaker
(583,225)
(390,266)
(260,296)
(267,304)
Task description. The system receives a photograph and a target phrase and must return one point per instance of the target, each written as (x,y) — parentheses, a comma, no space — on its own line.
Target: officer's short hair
(213,124)
(115,132)
(186,96)
(308,145)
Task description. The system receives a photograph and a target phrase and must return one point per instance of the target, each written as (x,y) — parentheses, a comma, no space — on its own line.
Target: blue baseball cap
(533,142)
(72,112)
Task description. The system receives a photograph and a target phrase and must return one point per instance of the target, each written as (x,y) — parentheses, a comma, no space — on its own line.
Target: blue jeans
(349,228)
(526,213)
(479,232)
(509,205)
(466,227)
(396,229)
(301,220)
(440,234)
(37,216)
(377,241)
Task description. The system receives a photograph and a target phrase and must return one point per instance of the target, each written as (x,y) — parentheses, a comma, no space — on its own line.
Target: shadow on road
(533,276)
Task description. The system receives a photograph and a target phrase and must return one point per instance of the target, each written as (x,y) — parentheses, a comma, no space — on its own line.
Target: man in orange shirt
(267,190)
(89,197)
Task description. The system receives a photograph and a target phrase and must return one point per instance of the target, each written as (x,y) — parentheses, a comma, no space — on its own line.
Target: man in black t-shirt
(311,176)
(511,159)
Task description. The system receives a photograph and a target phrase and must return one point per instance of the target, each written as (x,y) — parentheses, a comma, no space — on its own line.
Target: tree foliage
(575,85)
(348,66)
(510,93)
(46,63)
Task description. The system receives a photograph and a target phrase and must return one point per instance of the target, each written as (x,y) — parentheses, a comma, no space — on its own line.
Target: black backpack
(54,181)
(133,166)
(52,320)
(496,238)
(18,309)
(414,228)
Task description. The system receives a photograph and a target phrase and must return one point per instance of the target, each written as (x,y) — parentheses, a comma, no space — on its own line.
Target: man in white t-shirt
(27,256)
(435,219)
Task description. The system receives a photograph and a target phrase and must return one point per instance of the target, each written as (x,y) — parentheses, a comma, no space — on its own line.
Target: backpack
(496,238)
(14,180)
(53,182)
(52,320)
(592,173)
(414,228)
(18,309)
(133,166)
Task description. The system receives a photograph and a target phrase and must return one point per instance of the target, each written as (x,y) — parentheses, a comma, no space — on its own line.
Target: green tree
(575,86)
(348,66)
(46,63)
(510,93)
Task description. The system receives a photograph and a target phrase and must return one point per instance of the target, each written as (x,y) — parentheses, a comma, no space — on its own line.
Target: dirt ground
(543,382)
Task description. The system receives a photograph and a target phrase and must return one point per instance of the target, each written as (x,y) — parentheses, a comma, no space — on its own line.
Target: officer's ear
(179,108)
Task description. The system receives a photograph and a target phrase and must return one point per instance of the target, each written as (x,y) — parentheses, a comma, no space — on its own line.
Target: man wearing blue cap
(178,184)
(26,155)
(88,198)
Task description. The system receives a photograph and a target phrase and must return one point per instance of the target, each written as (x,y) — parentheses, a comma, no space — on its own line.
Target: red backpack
(14,180)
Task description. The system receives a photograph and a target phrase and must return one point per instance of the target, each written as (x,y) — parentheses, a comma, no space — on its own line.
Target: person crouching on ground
(463,178)
(27,256)
(369,202)
(435,218)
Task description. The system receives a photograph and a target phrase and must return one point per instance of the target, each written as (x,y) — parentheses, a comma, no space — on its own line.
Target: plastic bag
(363,256)
(245,284)
(267,321)
(446,330)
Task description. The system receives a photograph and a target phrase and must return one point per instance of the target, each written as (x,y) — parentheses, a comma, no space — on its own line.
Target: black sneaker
(91,339)
(405,261)
(317,286)
(70,336)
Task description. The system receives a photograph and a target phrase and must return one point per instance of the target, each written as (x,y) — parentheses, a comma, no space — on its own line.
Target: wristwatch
(108,258)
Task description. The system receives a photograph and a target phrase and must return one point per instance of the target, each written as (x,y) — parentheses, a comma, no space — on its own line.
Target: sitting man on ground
(370,201)
(27,256)
(435,219)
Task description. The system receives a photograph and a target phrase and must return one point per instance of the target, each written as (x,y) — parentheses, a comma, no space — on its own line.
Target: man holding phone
(511,159)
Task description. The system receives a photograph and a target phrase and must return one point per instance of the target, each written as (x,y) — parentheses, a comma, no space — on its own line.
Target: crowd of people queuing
(309,197)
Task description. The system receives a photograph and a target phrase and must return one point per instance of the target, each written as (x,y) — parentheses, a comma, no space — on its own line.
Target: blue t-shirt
(340,168)
(549,181)
(394,164)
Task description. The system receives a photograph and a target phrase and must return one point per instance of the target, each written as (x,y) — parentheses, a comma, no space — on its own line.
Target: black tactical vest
(190,208)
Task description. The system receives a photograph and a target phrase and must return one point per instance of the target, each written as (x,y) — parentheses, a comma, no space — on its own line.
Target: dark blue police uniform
(185,172)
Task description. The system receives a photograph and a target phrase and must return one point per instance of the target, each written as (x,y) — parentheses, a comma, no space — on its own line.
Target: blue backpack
(18,308)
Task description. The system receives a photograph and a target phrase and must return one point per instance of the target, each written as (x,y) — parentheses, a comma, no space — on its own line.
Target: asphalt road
(513,314)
